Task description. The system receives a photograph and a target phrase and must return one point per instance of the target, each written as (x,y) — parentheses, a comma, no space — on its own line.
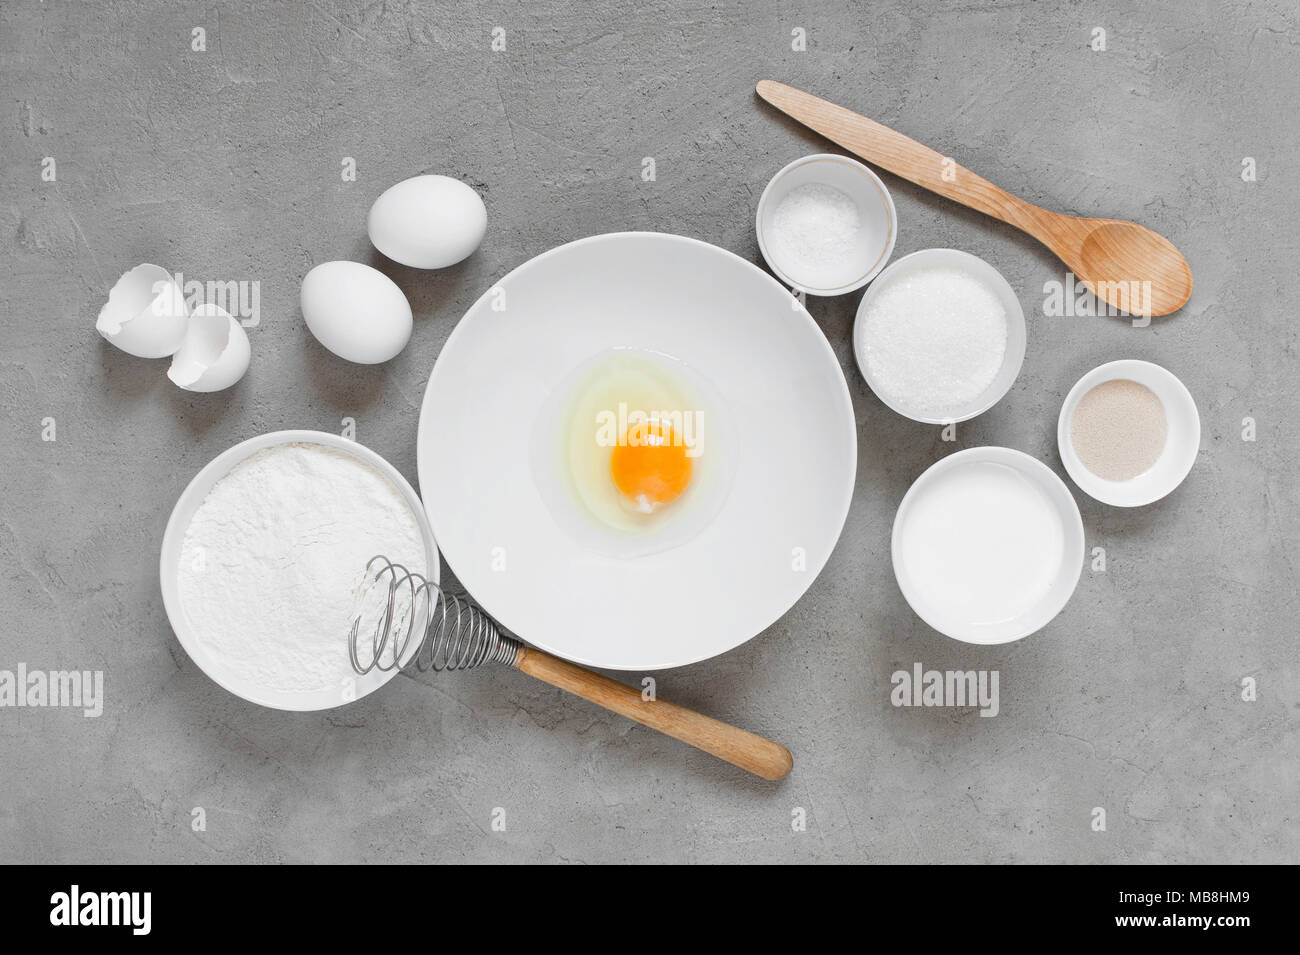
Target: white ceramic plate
(1182,441)
(994,549)
(794,433)
(174,538)
(873,244)
(1016,334)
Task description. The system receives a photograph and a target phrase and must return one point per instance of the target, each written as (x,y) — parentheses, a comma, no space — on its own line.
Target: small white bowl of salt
(826,225)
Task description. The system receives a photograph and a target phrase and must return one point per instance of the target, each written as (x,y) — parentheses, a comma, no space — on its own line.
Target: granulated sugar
(274,557)
(1118,429)
(935,339)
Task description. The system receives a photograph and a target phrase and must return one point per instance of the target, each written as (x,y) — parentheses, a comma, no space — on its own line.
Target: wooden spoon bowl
(1128,266)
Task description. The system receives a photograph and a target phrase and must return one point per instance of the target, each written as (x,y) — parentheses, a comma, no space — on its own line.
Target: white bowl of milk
(988,545)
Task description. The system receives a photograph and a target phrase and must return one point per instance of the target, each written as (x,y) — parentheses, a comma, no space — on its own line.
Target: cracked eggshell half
(214,354)
(145,314)
(356,312)
(427,222)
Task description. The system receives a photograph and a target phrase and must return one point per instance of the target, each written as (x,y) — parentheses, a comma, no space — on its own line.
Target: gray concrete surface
(225,164)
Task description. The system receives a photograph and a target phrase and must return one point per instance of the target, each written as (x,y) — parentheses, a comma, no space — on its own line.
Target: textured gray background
(225,165)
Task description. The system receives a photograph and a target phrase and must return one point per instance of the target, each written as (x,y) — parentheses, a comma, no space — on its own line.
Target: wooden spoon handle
(902,155)
(752,753)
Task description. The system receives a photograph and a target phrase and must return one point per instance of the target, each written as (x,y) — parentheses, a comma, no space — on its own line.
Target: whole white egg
(356,312)
(427,222)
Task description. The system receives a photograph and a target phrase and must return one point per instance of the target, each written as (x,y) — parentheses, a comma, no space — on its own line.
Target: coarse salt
(935,339)
(814,228)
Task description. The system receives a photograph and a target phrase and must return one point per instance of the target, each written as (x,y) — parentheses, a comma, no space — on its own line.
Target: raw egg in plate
(631,454)
(708,570)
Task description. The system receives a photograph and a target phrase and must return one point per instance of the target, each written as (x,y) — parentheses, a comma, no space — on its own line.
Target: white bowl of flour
(265,553)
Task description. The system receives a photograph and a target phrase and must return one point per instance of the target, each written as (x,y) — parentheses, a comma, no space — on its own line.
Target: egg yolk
(650,466)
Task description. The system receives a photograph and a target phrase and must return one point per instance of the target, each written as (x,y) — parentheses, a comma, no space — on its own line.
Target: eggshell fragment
(214,354)
(145,314)
(356,312)
(428,222)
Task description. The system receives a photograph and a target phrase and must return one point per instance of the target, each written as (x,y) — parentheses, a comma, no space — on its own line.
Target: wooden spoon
(1127,265)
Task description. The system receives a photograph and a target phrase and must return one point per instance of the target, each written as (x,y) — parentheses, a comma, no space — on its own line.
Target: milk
(981,544)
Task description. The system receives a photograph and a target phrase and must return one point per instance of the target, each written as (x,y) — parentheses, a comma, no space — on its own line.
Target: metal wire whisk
(417,622)
(453,634)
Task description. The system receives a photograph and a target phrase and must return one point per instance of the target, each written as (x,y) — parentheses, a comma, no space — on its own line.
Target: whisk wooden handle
(752,753)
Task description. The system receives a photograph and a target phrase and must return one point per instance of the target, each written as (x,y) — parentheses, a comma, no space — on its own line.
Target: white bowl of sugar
(826,224)
(940,336)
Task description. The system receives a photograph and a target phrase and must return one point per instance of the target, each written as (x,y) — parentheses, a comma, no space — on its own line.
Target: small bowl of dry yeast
(1128,433)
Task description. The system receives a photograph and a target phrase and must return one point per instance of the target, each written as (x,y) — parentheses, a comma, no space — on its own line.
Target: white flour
(274,556)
